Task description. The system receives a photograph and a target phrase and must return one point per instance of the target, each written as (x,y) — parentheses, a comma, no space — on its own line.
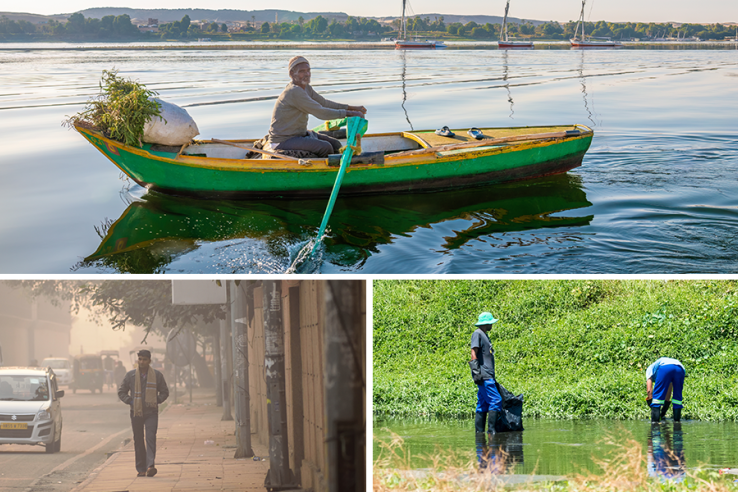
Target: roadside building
(31,329)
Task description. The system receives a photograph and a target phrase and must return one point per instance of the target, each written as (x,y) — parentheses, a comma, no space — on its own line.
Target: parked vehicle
(30,407)
(110,357)
(88,373)
(62,368)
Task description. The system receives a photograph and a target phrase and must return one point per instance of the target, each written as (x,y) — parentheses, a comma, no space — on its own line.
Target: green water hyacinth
(120,110)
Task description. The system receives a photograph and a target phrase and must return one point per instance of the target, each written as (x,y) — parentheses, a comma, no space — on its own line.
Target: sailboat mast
(581,21)
(581,18)
(503,33)
(403,25)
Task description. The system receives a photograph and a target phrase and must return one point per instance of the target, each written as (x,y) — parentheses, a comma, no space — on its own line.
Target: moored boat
(407,162)
(595,43)
(402,44)
(416,44)
(505,42)
(584,41)
(514,44)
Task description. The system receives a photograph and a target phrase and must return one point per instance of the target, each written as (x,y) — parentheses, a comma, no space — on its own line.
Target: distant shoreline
(336,46)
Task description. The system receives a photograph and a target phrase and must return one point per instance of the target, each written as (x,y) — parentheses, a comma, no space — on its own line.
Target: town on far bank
(295,26)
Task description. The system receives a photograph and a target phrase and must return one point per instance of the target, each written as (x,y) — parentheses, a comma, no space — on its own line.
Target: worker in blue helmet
(664,384)
(489,402)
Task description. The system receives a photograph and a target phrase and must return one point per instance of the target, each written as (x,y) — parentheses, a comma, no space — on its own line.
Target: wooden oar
(273,154)
(355,126)
(489,141)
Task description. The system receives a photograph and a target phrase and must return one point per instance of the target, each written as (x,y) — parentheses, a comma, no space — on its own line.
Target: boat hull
(576,43)
(513,44)
(418,45)
(423,170)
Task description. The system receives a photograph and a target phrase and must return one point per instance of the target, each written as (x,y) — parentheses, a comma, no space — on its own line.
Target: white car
(62,368)
(30,410)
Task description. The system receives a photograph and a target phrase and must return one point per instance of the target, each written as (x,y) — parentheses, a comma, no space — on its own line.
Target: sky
(704,11)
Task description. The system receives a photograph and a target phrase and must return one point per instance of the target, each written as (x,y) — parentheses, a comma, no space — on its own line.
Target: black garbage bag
(511,416)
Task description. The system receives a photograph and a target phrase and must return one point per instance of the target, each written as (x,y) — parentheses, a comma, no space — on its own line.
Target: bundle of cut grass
(120,110)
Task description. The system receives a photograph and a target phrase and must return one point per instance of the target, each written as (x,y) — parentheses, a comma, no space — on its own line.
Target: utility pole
(240,370)
(344,386)
(224,372)
(279,476)
(217,369)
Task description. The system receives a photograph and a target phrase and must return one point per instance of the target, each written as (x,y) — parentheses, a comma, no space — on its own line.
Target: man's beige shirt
(290,115)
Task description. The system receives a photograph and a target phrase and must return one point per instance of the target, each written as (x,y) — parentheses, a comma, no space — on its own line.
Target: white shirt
(653,369)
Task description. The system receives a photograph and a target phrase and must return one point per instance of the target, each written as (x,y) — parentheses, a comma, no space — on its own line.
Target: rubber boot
(677,415)
(664,409)
(655,414)
(479,419)
(491,419)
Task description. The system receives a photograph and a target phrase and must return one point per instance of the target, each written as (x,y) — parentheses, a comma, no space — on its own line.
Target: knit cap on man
(296,60)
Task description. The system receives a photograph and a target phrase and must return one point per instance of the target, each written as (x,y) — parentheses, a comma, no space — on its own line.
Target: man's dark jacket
(127,387)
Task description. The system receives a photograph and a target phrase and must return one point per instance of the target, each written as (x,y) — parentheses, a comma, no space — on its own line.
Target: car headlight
(43,415)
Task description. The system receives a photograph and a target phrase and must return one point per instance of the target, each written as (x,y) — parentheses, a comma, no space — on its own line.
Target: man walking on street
(144,389)
(489,402)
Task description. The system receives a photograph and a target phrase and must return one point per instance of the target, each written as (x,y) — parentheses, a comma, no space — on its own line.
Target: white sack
(179,128)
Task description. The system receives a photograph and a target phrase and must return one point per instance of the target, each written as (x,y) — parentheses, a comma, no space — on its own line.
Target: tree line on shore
(79,28)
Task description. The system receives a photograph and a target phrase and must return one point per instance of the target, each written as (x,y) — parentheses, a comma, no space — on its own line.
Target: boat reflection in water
(666,452)
(157,229)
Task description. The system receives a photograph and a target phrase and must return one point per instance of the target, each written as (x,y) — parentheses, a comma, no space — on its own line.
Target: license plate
(14,425)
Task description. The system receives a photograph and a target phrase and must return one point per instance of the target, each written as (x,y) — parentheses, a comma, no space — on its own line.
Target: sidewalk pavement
(185,457)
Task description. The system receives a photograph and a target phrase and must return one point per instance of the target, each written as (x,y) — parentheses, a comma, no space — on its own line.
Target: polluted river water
(560,448)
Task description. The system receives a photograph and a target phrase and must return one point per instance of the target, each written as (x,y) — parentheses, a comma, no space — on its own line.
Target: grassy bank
(576,349)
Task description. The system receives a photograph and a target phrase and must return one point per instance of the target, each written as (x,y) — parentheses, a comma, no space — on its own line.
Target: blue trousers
(668,375)
(488,398)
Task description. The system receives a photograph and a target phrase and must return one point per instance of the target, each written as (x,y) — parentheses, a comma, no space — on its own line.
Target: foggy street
(94,425)
(271,393)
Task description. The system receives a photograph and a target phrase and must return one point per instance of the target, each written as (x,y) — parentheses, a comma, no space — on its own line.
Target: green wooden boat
(410,162)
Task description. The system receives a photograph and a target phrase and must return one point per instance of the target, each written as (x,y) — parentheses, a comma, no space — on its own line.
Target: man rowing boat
(288,129)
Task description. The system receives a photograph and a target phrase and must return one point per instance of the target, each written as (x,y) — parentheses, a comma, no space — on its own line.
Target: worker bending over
(664,384)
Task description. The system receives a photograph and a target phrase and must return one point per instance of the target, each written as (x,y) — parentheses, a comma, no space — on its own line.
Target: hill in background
(34,18)
(259,16)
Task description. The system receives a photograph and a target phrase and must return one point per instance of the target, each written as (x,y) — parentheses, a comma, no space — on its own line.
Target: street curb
(100,468)
(68,462)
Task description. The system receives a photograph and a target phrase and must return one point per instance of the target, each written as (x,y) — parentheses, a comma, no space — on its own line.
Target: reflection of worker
(489,402)
(666,453)
(501,453)
(147,389)
(664,384)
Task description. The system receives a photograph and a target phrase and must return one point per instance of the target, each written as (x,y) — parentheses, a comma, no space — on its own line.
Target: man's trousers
(145,447)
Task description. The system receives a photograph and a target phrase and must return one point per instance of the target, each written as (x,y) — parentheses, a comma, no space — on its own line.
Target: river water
(656,193)
(564,448)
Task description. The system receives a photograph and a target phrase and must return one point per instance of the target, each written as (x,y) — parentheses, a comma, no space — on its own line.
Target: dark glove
(476,371)
(649,401)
